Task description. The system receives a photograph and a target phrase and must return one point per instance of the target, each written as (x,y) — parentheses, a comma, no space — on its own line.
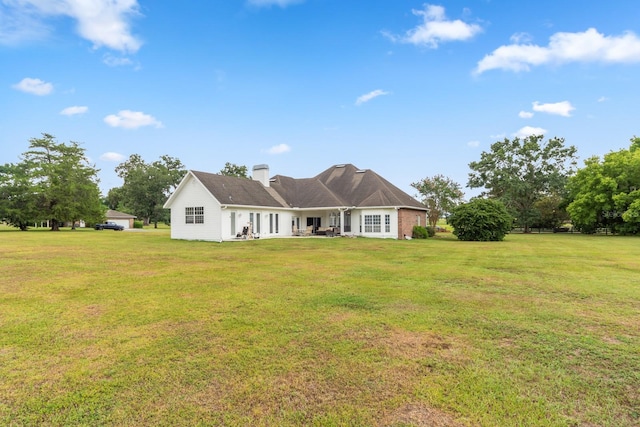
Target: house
(121,218)
(341,200)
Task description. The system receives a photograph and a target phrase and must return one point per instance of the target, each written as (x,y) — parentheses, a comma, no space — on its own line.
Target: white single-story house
(342,200)
(121,218)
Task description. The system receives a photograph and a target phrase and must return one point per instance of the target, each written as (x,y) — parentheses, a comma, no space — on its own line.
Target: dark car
(109,225)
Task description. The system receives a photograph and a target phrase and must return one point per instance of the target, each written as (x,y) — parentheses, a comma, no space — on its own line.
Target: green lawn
(132,328)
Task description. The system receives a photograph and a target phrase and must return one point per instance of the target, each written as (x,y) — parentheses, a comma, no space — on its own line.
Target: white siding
(243,215)
(193,194)
(359,228)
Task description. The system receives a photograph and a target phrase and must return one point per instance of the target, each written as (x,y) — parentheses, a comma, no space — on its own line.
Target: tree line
(540,186)
(55,183)
(538,183)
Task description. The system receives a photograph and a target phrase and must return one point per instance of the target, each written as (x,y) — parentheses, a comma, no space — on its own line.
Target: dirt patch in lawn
(419,415)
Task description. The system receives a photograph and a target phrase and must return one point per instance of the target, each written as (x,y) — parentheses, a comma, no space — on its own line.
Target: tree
(480,220)
(440,194)
(17,200)
(146,186)
(551,212)
(231,169)
(520,172)
(62,181)
(606,193)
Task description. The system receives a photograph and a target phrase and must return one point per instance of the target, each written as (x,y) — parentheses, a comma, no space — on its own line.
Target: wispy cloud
(267,3)
(369,96)
(563,108)
(131,120)
(587,46)
(116,61)
(110,156)
(34,86)
(436,28)
(528,131)
(603,99)
(75,110)
(473,144)
(279,149)
(525,114)
(105,23)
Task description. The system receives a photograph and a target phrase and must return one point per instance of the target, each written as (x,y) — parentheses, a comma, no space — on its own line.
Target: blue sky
(406,88)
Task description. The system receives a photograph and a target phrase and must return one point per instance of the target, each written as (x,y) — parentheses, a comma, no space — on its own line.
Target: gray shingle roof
(112,214)
(340,185)
(237,191)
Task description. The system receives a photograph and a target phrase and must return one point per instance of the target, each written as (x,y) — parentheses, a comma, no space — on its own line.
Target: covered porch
(329,222)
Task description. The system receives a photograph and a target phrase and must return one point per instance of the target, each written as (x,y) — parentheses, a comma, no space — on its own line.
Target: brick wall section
(407,218)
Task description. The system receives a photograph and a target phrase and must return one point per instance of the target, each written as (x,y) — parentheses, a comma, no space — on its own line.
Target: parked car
(109,225)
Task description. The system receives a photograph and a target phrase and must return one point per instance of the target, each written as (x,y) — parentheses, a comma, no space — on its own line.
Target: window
(277,223)
(387,223)
(332,220)
(194,215)
(372,224)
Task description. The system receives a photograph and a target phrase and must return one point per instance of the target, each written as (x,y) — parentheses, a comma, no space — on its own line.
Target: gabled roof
(338,186)
(112,214)
(232,190)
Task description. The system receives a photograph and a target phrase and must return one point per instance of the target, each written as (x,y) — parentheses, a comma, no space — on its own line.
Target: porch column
(342,222)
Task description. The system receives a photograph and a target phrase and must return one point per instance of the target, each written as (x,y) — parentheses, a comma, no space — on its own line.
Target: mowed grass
(132,328)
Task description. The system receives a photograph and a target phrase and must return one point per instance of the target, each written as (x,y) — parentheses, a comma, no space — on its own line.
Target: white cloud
(34,86)
(563,108)
(131,120)
(473,144)
(267,3)
(103,22)
(587,46)
(72,111)
(436,29)
(528,131)
(279,149)
(116,61)
(110,156)
(525,114)
(603,99)
(520,38)
(369,96)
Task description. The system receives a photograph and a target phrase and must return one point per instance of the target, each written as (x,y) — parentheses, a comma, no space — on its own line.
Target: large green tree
(606,193)
(147,186)
(63,182)
(439,194)
(520,172)
(17,199)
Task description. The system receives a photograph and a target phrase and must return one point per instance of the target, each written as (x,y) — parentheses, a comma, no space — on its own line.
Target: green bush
(481,220)
(419,232)
(137,224)
(431,231)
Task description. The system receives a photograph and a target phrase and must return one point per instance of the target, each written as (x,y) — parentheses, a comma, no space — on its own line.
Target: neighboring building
(341,200)
(120,218)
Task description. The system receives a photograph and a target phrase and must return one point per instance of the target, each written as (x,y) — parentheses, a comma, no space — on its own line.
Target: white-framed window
(372,224)
(334,220)
(194,215)
(387,223)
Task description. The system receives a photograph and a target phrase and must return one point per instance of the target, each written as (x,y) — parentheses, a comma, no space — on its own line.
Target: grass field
(132,328)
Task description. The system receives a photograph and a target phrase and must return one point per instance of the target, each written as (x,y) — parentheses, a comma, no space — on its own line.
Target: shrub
(137,224)
(419,232)
(431,231)
(481,220)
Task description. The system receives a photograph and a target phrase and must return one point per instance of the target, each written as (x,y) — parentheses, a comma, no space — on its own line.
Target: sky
(405,88)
